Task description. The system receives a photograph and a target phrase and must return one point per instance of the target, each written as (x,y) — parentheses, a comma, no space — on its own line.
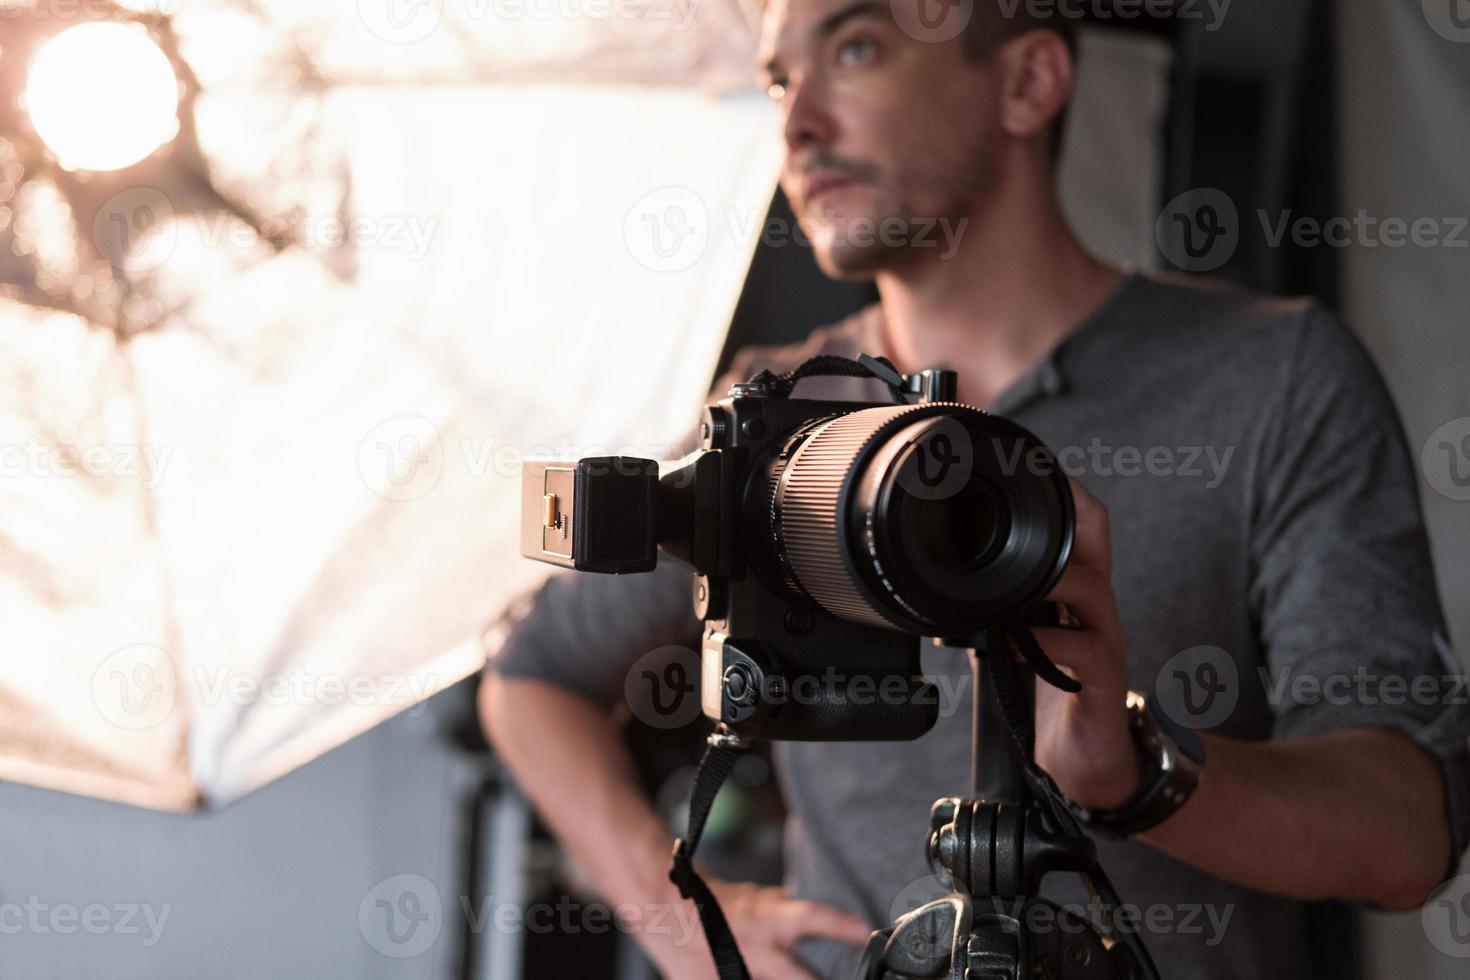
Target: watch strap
(1175,768)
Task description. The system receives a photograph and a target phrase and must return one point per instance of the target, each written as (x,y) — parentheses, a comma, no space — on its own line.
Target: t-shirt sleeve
(1342,581)
(584,632)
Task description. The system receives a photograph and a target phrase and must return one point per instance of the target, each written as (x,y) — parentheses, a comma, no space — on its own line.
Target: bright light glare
(103,96)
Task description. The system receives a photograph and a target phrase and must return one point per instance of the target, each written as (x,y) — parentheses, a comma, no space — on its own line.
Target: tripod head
(995,849)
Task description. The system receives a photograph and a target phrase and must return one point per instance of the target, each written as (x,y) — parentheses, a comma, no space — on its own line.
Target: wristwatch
(1174,760)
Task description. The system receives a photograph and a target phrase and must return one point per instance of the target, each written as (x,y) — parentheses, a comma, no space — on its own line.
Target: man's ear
(1036,83)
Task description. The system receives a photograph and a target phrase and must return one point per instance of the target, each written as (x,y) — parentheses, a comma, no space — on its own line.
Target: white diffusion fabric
(301,501)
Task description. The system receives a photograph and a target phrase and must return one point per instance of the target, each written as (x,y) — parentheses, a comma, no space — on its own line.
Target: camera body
(827,539)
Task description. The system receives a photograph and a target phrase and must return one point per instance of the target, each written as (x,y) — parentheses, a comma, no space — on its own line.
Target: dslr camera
(826,539)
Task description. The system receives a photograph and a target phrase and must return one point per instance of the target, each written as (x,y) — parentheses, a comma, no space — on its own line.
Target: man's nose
(809,121)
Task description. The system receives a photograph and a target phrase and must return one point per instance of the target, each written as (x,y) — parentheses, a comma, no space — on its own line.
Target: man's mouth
(826,184)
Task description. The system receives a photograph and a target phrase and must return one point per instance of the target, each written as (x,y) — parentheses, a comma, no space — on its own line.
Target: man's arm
(568,757)
(1357,813)
(1293,817)
(1361,797)
(559,660)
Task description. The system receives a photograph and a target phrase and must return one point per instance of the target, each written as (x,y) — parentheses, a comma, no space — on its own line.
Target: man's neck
(1016,285)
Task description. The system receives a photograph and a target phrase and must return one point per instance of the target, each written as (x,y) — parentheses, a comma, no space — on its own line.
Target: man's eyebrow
(829,25)
(862,8)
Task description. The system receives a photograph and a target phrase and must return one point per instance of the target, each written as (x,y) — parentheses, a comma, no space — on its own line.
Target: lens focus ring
(811,516)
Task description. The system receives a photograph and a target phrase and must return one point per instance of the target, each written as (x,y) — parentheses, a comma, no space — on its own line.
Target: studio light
(102,96)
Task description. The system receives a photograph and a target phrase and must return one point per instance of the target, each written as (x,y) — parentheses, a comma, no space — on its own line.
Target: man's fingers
(1078,652)
(812,920)
(1086,591)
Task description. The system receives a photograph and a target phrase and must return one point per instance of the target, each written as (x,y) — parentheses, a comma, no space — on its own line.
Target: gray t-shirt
(1271,571)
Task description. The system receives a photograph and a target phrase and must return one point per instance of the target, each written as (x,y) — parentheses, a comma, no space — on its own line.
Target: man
(1245,504)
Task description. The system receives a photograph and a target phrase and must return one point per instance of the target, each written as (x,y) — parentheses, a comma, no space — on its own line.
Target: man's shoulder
(1212,304)
(1218,340)
(1212,317)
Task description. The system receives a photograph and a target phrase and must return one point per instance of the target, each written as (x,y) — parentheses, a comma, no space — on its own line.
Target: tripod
(995,849)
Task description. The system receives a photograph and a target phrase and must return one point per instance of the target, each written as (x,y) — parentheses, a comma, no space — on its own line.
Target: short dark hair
(992,26)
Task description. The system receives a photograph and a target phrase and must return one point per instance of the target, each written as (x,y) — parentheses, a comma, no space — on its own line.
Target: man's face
(885,133)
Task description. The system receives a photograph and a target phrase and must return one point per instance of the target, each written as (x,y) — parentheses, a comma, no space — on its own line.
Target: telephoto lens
(930,519)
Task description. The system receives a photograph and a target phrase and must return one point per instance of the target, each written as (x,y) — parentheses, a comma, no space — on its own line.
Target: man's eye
(856,51)
(776,90)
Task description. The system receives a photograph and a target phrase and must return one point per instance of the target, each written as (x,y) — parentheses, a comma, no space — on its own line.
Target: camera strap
(721,753)
(834,365)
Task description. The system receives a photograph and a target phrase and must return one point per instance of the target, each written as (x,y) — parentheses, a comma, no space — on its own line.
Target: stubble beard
(896,233)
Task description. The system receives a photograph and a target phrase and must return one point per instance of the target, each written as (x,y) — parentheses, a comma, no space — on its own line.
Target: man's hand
(1083,739)
(767,924)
